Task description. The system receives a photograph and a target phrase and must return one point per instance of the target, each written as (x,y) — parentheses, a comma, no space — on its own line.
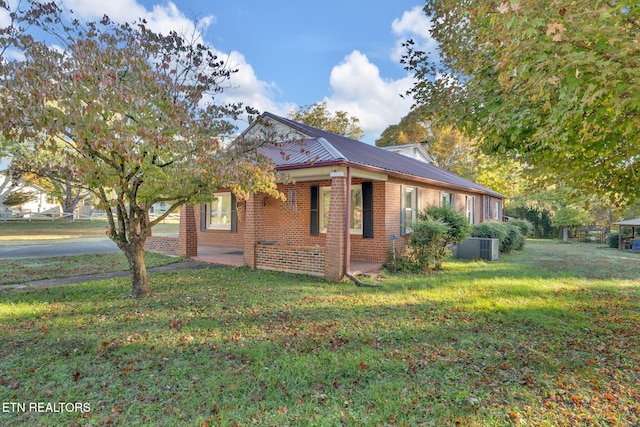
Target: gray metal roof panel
(359,153)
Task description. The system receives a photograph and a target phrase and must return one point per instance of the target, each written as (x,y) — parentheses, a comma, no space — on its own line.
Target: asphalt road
(90,246)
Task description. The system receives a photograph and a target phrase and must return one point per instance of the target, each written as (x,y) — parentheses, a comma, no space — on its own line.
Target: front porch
(234,257)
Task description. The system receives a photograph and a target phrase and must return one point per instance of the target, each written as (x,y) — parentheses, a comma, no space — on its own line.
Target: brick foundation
(162,245)
(291,259)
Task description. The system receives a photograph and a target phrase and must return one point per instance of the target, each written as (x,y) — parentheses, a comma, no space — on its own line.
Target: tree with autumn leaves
(552,84)
(339,122)
(133,113)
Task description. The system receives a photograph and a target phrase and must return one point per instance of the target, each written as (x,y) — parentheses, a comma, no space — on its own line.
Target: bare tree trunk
(565,234)
(135,256)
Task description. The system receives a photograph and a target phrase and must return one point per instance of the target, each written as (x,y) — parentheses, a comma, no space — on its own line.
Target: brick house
(346,200)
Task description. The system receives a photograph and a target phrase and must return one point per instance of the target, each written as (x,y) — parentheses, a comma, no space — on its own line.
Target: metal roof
(322,147)
(629,222)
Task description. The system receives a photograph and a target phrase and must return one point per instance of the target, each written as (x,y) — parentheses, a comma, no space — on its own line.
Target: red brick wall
(288,224)
(292,259)
(222,238)
(187,234)
(376,248)
(162,245)
(335,240)
(253,221)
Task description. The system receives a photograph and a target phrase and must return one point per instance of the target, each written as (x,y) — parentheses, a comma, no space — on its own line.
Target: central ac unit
(479,248)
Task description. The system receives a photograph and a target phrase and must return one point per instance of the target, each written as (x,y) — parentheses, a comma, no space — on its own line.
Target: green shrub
(526,228)
(459,227)
(491,230)
(510,236)
(515,239)
(428,246)
(613,240)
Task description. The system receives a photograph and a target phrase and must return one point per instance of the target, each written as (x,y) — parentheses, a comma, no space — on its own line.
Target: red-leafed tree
(133,113)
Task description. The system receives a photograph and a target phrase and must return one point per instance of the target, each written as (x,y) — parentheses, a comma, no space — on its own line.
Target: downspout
(347,228)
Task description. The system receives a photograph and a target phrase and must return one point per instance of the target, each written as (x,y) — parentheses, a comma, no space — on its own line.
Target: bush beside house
(511,234)
(436,228)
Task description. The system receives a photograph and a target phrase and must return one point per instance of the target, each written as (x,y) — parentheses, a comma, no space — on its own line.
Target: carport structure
(631,243)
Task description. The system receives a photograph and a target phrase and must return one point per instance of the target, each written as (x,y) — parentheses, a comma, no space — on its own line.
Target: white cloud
(244,86)
(359,90)
(5,19)
(356,84)
(13,55)
(161,19)
(416,25)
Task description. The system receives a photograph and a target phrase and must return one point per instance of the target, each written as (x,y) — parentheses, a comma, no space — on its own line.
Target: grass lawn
(63,231)
(30,269)
(546,337)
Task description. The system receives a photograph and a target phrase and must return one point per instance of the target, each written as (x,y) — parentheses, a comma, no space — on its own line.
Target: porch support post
(620,243)
(253,226)
(335,241)
(188,233)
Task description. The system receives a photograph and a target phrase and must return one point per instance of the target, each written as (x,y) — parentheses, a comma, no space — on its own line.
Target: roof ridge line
(331,149)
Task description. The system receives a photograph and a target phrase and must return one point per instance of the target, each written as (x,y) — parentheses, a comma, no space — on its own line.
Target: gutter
(390,173)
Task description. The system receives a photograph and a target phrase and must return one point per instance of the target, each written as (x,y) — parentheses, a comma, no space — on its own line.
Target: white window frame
(450,199)
(412,210)
(470,208)
(498,211)
(321,209)
(218,204)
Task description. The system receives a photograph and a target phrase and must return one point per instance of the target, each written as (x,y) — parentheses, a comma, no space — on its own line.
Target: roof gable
(415,151)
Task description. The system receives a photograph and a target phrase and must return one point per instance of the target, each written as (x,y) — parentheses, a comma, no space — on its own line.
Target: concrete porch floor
(217,255)
(235,257)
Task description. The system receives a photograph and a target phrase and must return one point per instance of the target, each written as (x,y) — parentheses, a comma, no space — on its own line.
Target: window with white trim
(498,210)
(409,208)
(471,209)
(220,212)
(446,199)
(356,209)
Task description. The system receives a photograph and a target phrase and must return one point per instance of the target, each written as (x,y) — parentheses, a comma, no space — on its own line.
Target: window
(409,209)
(356,208)
(292,200)
(471,209)
(220,212)
(498,211)
(447,199)
(488,212)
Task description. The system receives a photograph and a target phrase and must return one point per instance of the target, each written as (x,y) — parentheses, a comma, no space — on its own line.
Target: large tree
(131,112)
(319,116)
(553,84)
(412,129)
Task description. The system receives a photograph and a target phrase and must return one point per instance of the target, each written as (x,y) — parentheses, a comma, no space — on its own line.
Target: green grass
(30,269)
(527,340)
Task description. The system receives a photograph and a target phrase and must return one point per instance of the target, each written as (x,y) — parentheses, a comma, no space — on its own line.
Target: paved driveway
(90,246)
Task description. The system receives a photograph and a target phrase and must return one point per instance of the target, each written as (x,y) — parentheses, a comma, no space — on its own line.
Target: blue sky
(292,53)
